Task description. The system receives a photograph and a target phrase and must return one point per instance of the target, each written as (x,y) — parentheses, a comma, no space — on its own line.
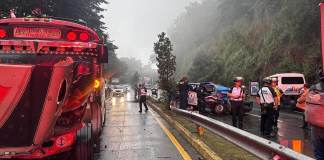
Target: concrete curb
(199,145)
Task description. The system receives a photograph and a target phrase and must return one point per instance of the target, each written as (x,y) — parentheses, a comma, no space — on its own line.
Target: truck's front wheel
(96,120)
(83,149)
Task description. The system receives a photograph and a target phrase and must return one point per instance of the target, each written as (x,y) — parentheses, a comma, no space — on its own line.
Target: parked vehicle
(118,91)
(291,84)
(52,93)
(215,99)
(154,92)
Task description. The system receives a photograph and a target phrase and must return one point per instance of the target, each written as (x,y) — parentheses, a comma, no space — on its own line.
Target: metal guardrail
(256,145)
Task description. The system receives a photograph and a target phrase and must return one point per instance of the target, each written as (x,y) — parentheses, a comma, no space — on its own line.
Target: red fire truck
(52,98)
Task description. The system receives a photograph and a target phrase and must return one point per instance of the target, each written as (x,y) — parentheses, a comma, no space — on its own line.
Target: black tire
(83,149)
(219,109)
(96,120)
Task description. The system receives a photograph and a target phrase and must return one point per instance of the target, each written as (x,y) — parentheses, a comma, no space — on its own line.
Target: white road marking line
(254,115)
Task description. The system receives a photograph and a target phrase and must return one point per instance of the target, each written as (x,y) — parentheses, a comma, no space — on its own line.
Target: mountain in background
(216,40)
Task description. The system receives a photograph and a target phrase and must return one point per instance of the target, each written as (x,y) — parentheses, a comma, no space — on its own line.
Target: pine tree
(166,62)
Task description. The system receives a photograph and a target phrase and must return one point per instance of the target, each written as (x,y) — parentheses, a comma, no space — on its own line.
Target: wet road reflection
(131,135)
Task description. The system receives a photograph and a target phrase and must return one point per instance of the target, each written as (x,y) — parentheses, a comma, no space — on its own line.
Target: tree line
(215,40)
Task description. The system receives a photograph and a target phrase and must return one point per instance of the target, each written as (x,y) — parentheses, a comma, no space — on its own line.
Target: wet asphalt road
(289,127)
(131,135)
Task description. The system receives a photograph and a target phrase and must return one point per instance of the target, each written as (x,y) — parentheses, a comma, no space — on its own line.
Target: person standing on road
(267,98)
(301,103)
(236,96)
(142,92)
(314,116)
(192,99)
(183,91)
(279,92)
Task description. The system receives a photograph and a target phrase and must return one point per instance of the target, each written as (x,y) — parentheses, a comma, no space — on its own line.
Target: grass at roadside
(226,150)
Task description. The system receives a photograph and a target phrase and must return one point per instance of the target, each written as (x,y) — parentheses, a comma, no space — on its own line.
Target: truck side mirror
(103,54)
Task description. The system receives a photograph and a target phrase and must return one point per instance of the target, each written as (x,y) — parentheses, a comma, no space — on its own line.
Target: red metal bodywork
(57,72)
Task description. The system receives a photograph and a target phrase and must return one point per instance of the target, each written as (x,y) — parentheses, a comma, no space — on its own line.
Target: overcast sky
(135,24)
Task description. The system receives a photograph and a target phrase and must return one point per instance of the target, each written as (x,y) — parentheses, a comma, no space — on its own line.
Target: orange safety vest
(301,101)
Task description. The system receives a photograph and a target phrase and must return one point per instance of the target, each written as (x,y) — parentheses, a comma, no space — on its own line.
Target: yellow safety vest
(279,94)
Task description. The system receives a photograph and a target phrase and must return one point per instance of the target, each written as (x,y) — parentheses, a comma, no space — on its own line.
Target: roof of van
(287,74)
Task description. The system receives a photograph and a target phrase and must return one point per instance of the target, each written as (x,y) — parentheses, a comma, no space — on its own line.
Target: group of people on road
(269,100)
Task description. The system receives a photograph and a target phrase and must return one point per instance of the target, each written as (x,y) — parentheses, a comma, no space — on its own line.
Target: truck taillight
(71,36)
(3,33)
(84,36)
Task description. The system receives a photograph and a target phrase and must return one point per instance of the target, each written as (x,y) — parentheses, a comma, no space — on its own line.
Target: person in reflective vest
(279,92)
(236,96)
(142,92)
(267,98)
(314,116)
(192,99)
(301,103)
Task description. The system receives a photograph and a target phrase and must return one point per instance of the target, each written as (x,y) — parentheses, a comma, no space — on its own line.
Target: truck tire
(83,149)
(96,120)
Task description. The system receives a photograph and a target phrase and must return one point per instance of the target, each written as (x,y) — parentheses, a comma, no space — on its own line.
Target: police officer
(142,91)
(267,98)
(279,94)
(236,96)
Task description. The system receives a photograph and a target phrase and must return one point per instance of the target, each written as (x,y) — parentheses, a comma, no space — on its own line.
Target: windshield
(292,80)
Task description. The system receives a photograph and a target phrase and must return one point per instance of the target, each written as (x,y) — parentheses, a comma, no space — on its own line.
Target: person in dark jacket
(183,89)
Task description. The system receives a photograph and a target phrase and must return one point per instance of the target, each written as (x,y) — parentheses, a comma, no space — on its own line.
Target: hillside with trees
(216,40)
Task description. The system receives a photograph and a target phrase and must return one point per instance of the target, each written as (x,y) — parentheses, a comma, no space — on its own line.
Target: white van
(291,84)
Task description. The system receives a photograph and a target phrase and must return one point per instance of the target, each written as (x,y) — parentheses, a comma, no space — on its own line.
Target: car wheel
(219,109)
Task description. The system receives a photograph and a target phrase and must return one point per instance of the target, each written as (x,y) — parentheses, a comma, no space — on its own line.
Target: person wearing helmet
(267,98)
(279,92)
(236,96)
(301,103)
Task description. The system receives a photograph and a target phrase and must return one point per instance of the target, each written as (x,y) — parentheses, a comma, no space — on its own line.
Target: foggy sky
(135,24)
